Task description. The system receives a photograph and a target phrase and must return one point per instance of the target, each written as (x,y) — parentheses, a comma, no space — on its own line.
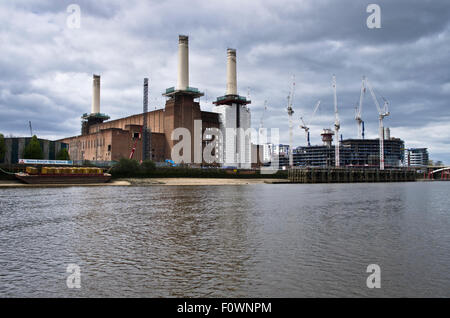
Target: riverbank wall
(348,175)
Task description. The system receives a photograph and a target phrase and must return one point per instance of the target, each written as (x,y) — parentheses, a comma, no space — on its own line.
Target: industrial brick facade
(115,139)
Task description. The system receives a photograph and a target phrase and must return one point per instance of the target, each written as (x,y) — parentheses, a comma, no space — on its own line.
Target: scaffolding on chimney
(146,138)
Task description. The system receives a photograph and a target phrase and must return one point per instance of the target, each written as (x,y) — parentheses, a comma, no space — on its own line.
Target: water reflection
(236,241)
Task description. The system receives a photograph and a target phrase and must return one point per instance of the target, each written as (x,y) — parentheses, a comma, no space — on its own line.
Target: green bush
(33,150)
(2,147)
(148,166)
(63,154)
(126,168)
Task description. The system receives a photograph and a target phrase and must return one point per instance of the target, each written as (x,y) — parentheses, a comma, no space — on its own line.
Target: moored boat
(56,175)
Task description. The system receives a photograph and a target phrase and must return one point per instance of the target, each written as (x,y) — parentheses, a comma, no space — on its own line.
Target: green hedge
(2,147)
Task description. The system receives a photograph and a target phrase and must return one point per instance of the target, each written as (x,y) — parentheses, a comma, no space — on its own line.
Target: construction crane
(261,121)
(358,110)
(305,127)
(382,112)
(337,124)
(31,128)
(290,112)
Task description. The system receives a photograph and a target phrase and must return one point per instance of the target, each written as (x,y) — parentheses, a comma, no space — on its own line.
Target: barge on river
(63,175)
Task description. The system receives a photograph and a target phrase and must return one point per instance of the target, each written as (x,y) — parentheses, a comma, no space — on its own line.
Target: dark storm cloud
(46,68)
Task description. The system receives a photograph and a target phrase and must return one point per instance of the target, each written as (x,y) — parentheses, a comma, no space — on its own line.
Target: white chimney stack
(96,94)
(231,72)
(183,62)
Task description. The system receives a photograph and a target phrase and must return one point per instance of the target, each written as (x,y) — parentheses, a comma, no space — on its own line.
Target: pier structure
(348,175)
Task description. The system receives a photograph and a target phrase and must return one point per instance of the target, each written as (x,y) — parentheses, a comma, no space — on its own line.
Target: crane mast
(382,112)
(358,112)
(31,128)
(337,124)
(305,127)
(261,122)
(290,112)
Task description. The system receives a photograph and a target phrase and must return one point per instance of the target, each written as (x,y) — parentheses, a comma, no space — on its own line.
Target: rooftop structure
(183,72)
(95,117)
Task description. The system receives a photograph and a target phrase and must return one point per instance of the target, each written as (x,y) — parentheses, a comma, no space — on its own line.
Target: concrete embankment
(200,181)
(18,184)
(153,182)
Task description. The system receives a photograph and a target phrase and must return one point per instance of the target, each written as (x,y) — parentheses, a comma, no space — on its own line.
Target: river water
(227,241)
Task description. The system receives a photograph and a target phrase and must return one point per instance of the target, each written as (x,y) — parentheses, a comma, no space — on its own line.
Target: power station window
(136,135)
(109,147)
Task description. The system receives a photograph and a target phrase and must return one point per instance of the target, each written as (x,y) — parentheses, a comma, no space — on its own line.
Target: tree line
(33,150)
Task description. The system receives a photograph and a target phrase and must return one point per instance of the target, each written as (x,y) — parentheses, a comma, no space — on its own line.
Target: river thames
(258,240)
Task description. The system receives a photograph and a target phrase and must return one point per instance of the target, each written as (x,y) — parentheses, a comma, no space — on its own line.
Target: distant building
(267,150)
(416,157)
(353,152)
(367,152)
(281,150)
(16,145)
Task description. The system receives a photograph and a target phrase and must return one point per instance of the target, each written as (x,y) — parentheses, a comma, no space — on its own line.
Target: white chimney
(96,95)
(183,62)
(231,72)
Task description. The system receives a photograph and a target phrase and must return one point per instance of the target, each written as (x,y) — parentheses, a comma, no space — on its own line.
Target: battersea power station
(149,135)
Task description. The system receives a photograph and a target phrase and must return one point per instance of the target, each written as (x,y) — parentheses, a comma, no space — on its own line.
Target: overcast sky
(46,67)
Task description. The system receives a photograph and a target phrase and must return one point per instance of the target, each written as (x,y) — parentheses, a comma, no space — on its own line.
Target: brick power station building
(110,140)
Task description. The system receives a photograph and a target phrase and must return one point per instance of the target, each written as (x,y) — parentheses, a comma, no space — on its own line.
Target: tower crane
(337,124)
(305,127)
(382,112)
(290,112)
(261,135)
(31,128)
(358,110)
(261,121)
